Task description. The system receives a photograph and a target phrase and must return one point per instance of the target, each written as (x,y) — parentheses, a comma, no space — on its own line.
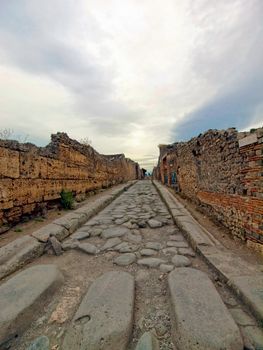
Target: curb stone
(23,250)
(245,280)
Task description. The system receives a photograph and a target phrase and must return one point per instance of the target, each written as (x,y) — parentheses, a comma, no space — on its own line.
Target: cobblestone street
(127,279)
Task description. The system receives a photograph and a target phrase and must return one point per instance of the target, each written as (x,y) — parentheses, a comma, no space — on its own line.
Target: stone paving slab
(46,231)
(16,254)
(201,320)
(245,280)
(195,233)
(23,250)
(22,295)
(105,316)
(250,290)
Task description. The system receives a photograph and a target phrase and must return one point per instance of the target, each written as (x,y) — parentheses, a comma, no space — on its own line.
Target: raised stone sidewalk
(244,279)
(23,250)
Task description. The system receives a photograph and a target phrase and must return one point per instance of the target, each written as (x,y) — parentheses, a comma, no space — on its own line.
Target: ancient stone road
(119,291)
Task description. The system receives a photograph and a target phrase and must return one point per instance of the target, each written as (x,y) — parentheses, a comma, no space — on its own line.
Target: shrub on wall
(66,199)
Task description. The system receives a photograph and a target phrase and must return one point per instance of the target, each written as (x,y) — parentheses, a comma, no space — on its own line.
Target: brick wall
(222,171)
(31,177)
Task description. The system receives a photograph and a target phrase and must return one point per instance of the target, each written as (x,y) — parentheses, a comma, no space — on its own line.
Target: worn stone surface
(88,248)
(153,245)
(110,243)
(70,244)
(18,253)
(56,245)
(46,231)
(251,290)
(181,261)
(200,318)
(22,295)
(105,316)
(170,250)
(40,343)
(166,267)
(177,244)
(154,223)
(186,251)
(125,259)
(253,337)
(242,318)
(147,342)
(148,252)
(80,235)
(117,231)
(136,238)
(151,262)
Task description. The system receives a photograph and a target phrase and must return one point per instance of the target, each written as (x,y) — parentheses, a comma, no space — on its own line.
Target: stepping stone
(148,252)
(151,262)
(177,244)
(200,318)
(186,251)
(181,261)
(166,267)
(88,248)
(22,295)
(148,342)
(125,259)
(117,231)
(153,245)
(170,250)
(104,319)
(154,223)
(110,243)
(79,235)
(18,253)
(40,343)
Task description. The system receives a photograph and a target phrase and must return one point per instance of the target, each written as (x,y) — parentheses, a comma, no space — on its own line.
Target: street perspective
(131,175)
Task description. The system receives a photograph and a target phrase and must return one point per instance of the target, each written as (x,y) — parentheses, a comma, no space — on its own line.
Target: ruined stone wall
(31,177)
(222,171)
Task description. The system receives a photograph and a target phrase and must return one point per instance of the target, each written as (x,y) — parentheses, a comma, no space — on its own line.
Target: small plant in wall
(67,199)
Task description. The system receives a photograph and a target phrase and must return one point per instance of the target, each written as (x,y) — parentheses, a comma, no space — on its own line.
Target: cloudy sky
(130,74)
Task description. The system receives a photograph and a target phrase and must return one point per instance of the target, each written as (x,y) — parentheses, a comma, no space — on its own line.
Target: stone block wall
(31,177)
(222,171)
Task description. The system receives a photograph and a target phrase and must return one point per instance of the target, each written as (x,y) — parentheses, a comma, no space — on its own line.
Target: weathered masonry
(222,171)
(31,176)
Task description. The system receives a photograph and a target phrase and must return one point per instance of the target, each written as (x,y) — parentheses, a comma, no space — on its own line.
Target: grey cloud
(34,41)
(231,60)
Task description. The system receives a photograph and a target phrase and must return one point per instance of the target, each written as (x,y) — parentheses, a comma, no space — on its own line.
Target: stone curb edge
(245,295)
(24,250)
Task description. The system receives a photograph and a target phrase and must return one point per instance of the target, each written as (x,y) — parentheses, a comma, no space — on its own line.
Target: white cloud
(130,74)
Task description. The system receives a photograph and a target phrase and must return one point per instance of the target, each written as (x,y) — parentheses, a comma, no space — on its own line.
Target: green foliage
(18,230)
(66,199)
